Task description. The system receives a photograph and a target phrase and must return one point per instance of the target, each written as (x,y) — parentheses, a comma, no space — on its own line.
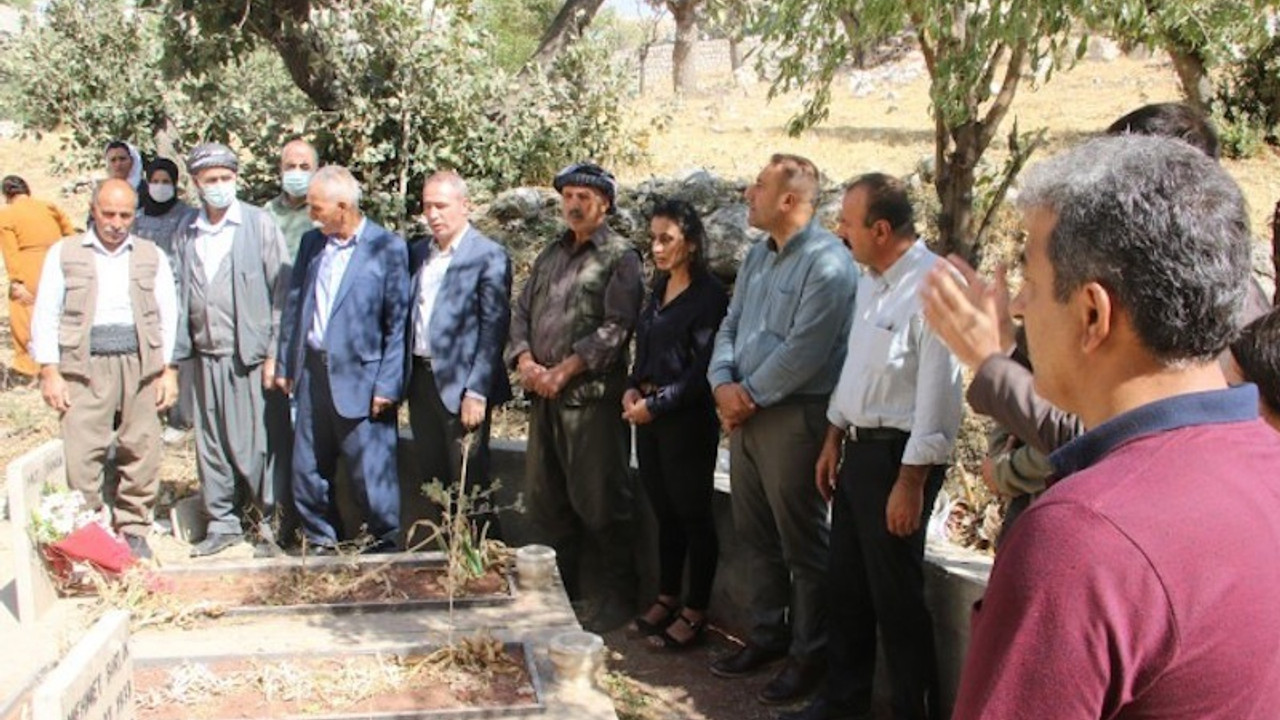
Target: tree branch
(1004,99)
(565,28)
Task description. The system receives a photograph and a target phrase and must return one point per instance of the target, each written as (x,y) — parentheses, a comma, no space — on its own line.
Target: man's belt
(320,357)
(113,340)
(876,434)
(422,363)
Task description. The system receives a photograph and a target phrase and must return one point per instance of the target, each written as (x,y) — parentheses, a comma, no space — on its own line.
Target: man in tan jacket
(104,328)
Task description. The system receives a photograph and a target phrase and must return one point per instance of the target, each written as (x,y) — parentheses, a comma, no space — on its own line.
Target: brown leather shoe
(746,661)
(797,679)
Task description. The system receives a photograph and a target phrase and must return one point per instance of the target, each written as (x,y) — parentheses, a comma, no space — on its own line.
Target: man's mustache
(575,214)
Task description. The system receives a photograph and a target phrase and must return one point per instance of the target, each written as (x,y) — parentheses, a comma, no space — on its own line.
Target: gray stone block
(95,680)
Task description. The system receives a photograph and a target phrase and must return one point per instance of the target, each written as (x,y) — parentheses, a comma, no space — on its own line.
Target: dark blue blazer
(365,335)
(469,321)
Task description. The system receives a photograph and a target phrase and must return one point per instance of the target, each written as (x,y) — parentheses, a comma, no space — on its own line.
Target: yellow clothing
(28,228)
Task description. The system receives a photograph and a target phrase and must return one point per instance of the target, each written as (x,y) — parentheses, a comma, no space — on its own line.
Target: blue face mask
(219,195)
(295,182)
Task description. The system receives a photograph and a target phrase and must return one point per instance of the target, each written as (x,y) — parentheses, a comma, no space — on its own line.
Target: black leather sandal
(664,640)
(643,627)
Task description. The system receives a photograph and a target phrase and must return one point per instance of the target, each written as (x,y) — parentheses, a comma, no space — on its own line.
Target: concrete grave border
(35,589)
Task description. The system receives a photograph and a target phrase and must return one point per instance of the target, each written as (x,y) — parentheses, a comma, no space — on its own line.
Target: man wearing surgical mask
(233,274)
(298,162)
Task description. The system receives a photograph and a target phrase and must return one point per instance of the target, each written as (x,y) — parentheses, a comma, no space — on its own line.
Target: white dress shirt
(430,278)
(333,266)
(112,307)
(213,240)
(897,373)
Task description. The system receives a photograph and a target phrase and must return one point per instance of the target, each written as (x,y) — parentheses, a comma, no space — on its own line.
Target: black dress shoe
(214,543)
(309,549)
(138,546)
(746,661)
(821,709)
(797,679)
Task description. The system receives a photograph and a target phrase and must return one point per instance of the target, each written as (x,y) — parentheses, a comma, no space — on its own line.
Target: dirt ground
(731,132)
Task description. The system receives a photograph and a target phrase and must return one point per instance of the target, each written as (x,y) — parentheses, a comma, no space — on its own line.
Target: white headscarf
(135,173)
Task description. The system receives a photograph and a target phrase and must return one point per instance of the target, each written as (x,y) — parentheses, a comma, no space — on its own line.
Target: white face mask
(220,195)
(160,192)
(295,182)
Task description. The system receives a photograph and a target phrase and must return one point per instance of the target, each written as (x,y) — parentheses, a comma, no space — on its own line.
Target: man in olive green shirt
(298,161)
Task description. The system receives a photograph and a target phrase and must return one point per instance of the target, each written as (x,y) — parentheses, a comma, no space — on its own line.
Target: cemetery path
(679,686)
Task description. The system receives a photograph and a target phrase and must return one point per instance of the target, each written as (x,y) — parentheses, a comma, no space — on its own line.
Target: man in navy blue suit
(461,310)
(342,354)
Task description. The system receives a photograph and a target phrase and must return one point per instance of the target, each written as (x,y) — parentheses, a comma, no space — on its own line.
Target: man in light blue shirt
(893,421)
(776,359)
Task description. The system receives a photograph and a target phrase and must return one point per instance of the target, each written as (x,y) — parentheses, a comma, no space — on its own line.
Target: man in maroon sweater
(1143,584)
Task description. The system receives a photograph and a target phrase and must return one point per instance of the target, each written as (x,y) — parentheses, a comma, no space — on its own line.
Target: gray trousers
(231,442)
(182,414)
(578,489)
(781,521)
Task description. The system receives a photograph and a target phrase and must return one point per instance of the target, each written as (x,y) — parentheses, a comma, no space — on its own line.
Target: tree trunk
(285,25)
(1193,77)
(565,29)
(736,58)
(1275,250)
(644,58)
(853,29)
(165,138)
(955,182)
(309,69)
(683,70)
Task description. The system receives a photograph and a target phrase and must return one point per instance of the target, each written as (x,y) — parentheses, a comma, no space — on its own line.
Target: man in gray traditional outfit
(232,277)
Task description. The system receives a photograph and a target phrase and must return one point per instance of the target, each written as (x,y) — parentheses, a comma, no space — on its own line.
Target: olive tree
(385,87)
(976,52)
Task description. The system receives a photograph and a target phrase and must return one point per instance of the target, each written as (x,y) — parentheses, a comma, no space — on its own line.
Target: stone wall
(525,218)
(711,64)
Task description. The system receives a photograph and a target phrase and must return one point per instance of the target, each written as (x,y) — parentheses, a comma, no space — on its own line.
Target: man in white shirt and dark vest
(103,335)
(893,420)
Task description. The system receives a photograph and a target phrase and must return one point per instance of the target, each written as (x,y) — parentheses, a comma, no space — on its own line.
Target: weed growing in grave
(462,533)
(323,686)
(140,593)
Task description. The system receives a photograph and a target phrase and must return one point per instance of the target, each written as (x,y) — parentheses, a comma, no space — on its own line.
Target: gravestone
(95,680)
(27,477)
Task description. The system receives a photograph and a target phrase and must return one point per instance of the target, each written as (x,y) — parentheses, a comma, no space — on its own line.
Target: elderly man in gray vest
(103,335)
(233,273)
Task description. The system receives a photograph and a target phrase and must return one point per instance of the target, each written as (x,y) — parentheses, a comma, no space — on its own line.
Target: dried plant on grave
(478,656)
(142,594)
(322,686)
(308,586)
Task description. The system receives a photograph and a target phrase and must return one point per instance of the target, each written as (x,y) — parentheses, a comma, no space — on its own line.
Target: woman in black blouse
(677,434)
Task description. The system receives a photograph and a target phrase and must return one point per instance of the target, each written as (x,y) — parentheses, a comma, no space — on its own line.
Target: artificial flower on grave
(75,540)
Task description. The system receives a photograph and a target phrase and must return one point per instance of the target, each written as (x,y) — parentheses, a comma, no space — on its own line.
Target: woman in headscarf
(163,215)
(161,219)
(124,162)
